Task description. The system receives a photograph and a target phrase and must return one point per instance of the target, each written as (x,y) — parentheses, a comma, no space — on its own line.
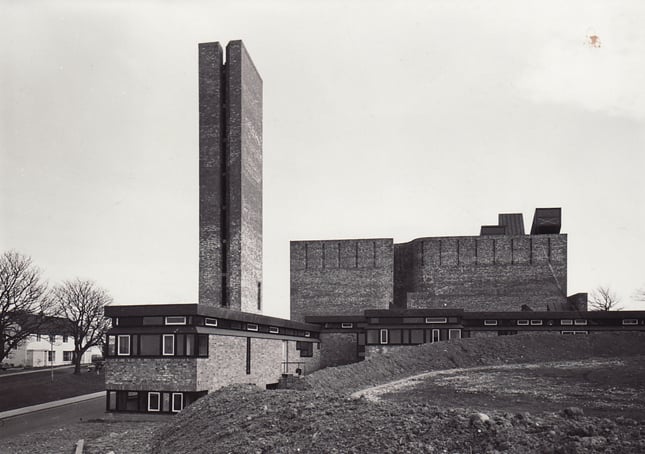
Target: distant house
(51,345)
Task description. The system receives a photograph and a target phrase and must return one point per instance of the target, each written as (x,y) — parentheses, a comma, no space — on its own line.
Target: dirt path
(374,393)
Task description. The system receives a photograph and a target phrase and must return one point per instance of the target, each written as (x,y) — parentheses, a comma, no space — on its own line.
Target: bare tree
(604,299)
(81,302)
(22,300)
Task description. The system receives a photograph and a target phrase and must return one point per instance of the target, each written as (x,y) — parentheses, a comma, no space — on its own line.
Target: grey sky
(381,119)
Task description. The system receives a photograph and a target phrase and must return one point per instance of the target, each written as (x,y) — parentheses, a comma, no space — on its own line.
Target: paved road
(54,417)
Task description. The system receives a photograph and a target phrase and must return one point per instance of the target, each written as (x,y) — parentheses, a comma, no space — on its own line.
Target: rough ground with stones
(323,418)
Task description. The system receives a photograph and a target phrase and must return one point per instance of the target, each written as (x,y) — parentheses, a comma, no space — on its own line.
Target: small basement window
(210,321)
(154,401)
(522,323)
(384,336)
(176,320)
(536,322)
(630,321)
(490,322)
(580,322)
(123,345)
(251,327)
(274,330)
(566,322)
(346,325)
(436,320)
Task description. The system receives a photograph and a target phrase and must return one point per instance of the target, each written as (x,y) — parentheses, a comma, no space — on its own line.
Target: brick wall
(340,277)
(226,363)
(157,374)
(210,170)
(338,349)
(481,273)
(244,144)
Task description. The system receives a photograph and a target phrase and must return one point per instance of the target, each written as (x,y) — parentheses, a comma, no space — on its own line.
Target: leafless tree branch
(604,299)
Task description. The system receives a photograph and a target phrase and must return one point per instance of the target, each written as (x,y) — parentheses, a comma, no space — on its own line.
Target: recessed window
(251,327)
(123,345)
(384,336)
(522,323)
(177,402)
(210,321)
(307,334)
(566,322)
(536,322)
(490,322)
(274,330)
(168,344)
(67,356)
(51,356)
(65,339)
(176,320)
(572,332)
(580,322)
(630,321)
(346,325)
(436,320)
(436,335)
(154,401)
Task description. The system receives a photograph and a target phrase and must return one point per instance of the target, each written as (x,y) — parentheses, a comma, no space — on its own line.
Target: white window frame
(430,320)
(536,322)
(166,322)
(580,322)
(118,344)
(566,322)
(346,325)
(574,332)
(522,323)
(307,334)
(438,333)
(251,327)
(384,336)
(490,322)
(274,330)
(630,321)
(581,332)
(172,402)
(163,344)
(208,321)
(452,330)
(158,394)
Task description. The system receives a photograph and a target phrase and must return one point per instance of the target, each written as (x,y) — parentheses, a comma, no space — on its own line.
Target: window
(177,402)
(384,336)
(522,322)
(51,356)
(346,325)
(306,349)
(574,332)
(52,338)
(251,327)
(630,321)
(536,322)
(566,322)
(248,356)
(436,335)
(67,356)
(454,334)
(274,330)
(580,322)
(307,334)
(39,337)
(168,344)
(111,345)
(490,322)
(259,296)
(202,345)
(123,342)
(176,320)
(65,339)
(210,321)
(436,320)
(154,402)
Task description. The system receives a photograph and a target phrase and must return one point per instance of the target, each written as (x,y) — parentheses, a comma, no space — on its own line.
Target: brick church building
(349,298)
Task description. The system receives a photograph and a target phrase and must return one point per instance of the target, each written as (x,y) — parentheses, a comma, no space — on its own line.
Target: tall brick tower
(230,179)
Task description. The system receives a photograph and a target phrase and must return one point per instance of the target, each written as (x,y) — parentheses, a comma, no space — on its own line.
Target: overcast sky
(381,119)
